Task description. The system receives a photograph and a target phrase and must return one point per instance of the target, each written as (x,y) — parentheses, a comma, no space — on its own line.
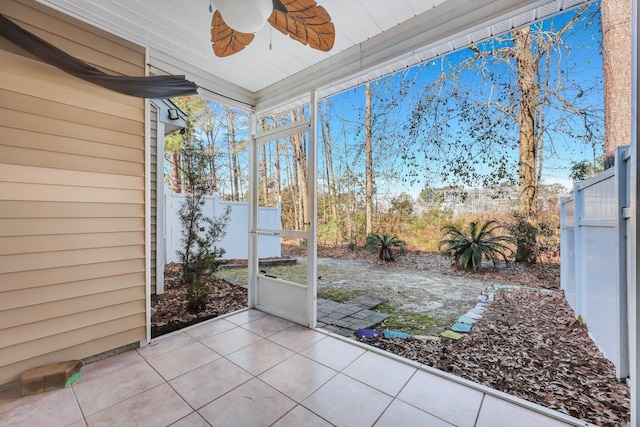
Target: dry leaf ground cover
(528,344)
(171,306)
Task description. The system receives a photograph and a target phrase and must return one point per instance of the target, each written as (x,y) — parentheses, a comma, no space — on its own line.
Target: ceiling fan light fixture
(245,16)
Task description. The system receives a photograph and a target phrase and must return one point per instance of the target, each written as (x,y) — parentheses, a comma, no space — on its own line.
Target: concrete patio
(254,369)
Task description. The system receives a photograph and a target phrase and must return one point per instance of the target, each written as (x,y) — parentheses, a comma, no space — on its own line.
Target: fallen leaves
(529,345)
(171,306)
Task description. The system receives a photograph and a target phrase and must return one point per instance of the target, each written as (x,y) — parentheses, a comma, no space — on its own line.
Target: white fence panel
(593,259)
(236,241)
(568,251)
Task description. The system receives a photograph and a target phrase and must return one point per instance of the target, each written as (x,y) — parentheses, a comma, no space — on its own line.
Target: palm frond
(478,243)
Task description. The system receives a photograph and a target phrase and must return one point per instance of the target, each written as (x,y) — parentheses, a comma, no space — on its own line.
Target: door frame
(309,316)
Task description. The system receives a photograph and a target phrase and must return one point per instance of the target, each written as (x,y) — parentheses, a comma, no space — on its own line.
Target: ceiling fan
(235,23)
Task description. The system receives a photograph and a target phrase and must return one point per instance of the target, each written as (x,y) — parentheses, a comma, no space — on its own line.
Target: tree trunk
(211,155)
(616,58)
(234,156)
(263,173)
(331,179)
(278,172)
(368,162)
(300,170)
(292,173)
(528,103)
(176,181)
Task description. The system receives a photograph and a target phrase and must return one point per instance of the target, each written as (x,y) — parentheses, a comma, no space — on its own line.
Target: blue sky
(576,73)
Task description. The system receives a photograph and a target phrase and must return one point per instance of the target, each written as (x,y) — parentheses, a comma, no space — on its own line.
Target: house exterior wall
(72,198)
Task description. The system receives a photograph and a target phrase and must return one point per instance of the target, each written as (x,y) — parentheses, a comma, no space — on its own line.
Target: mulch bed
(171,307)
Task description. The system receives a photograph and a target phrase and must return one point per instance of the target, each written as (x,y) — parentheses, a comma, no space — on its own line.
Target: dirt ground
(528,344)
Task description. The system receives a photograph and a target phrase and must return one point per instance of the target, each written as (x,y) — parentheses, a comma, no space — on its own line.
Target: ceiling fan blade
(278,6)
(305,22)
(225,40)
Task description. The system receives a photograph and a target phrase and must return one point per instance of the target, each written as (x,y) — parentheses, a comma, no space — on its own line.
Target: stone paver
(345,319)
(366,301)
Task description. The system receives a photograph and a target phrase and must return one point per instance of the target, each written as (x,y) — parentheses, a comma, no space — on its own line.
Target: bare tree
(529,99)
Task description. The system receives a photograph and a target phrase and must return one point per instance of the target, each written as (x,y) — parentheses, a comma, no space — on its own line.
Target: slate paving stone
(366,301)
(345,319)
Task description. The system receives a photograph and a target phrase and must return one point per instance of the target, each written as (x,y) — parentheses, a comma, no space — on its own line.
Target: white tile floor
(253,369)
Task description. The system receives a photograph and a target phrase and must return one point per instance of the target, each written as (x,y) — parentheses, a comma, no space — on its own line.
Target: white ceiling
(373,38)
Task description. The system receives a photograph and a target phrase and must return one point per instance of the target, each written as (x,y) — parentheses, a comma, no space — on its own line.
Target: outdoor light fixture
(245,16)
(173,114)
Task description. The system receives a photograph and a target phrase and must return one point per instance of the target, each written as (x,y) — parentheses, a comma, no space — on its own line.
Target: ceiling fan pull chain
(210,6)
(270,28)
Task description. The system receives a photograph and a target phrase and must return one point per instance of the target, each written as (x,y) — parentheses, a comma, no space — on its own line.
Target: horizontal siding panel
(78,273)
(39,83)
(23,324)
(33,157)
(50,77)
(93,346)
(88,54)
(20,191)
(31,349)
(56,209)
(36,261)
(59,317)
(42,124)
(77,39)
(133,284)
(69,21)
(57,242)
(56,109)
(27,139)
(48,176)
(42,82)
(35,227)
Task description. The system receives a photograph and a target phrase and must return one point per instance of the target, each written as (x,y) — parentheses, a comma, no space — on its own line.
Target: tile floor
(254,369)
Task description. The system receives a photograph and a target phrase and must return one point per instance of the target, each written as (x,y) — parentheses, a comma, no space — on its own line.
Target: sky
(575,72)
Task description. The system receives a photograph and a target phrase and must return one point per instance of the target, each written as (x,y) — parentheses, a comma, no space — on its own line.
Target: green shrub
(197,296)
(468,249)
(199,233)
(533,240)
(525,235)
(385,244)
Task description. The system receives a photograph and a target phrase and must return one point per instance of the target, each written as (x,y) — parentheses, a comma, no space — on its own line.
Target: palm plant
(385,244)
(468,250)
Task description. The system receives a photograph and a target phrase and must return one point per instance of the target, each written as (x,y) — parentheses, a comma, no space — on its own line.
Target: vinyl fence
(594,257)
(236,241)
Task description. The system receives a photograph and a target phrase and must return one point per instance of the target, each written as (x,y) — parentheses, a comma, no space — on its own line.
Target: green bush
(468,249)
(385,244)
(525,235)
(199,233)
(533,240)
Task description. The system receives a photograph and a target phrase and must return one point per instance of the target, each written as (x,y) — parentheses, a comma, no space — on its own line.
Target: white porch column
(252,260)
(312,231)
